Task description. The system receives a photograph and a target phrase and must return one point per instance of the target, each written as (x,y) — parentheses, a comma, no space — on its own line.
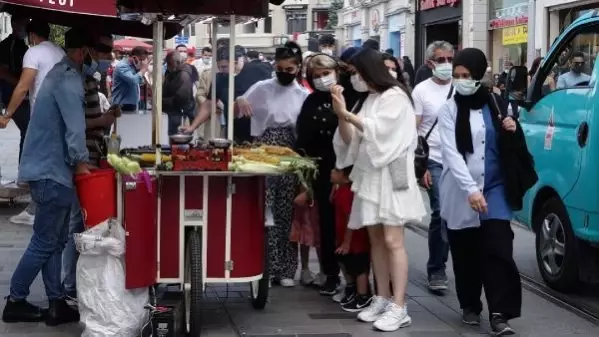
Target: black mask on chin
(285,78)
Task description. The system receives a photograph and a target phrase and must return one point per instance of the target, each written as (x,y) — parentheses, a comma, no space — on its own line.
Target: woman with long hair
(486,170)
(379,141)
(396,70)
(274,105)
(549,84)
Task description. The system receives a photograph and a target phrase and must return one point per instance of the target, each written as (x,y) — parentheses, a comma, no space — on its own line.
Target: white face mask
(183,55)
(393,73)
(466,87)
(358,83)
(443,71)
(325,83)
(207,60)
(327,51)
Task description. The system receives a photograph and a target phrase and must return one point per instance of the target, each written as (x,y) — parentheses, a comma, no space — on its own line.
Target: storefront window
(509,21)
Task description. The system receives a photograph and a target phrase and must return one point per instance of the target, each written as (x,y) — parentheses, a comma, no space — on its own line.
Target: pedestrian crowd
(380,132)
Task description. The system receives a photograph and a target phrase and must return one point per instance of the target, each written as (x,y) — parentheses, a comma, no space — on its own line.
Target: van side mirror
(517,79)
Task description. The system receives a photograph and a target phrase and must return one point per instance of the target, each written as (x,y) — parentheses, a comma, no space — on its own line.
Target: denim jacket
(125,85)
(55,140)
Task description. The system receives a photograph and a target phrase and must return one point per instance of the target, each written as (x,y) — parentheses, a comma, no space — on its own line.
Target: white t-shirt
(42,58)
(428,98)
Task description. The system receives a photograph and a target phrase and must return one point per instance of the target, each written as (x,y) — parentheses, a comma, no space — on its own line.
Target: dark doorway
(449,32)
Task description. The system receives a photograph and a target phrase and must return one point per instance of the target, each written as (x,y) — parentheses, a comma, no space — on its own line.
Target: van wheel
(556,246)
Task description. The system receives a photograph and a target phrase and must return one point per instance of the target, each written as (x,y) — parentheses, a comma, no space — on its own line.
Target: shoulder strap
(437,119)
(496,107)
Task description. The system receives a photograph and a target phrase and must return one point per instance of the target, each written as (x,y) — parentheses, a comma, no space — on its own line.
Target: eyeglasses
(443,60)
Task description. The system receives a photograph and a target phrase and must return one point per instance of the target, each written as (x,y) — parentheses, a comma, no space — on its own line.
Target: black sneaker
(22,311)
(500,326)
(330,287)
(61,313)
(438,283)
(470,317)
(350,294)
(359,303)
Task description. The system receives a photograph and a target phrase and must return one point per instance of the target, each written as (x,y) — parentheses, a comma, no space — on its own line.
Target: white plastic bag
(106,308)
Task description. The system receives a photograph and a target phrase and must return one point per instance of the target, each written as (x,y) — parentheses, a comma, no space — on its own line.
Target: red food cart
(195,227)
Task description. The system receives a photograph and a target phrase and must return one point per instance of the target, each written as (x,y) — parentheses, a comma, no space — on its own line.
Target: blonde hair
(322,61)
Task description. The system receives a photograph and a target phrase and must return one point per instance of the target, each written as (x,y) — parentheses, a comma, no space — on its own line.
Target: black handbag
(422,149)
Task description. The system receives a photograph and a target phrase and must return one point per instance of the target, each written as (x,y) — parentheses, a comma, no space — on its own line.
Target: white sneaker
(287,283)
(338,296)
(320,279)
(395,317)
(307,277)
(375,310)
(22,218)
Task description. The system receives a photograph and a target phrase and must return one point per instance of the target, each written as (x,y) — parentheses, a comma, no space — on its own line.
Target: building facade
(294,19)
(391,22)
(5,26)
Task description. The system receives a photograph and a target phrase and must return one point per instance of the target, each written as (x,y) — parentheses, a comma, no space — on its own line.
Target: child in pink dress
(305,231)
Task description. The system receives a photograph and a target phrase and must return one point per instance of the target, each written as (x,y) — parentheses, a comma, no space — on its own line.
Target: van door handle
(582,134)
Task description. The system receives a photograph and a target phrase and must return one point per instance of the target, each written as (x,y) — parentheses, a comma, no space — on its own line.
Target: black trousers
(326,213)
(483,258)
(21,118)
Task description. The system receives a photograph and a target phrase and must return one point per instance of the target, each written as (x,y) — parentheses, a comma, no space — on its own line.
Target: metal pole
(215,127)
(531,51)
(158,32)
(232,60)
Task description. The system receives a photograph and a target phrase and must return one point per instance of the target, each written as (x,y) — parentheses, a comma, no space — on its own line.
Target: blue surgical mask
(466,87)
(91,69)
(443,71)
(103,66)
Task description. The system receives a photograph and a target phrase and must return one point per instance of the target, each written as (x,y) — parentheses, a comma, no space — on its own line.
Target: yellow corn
(151,157)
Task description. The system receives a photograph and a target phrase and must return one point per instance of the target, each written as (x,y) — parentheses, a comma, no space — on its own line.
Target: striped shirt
(94,136)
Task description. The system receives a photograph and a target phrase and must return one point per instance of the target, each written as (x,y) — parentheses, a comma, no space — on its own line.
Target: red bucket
(97,196)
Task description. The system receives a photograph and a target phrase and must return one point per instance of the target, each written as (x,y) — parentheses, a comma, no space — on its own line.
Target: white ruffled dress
(389,133)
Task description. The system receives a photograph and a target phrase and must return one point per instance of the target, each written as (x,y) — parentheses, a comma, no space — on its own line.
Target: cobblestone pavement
(290,312)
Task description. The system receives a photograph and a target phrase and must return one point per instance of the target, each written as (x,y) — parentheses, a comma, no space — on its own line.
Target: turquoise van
(560,118)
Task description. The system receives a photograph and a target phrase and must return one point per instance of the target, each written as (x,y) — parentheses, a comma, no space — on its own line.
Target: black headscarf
(475,61)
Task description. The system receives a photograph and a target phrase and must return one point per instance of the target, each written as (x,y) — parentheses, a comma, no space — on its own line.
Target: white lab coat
(460,178)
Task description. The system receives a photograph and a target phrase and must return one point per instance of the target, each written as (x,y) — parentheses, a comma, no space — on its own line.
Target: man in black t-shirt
(12,51)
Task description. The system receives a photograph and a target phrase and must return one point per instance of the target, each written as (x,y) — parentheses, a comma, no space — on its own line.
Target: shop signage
(103,8)
(295,7)
(515,15)
(515,35)
(375,20)
(432,4)
(508,22)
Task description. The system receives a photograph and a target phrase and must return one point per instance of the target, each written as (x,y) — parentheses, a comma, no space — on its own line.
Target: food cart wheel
(193,277)
(259,289)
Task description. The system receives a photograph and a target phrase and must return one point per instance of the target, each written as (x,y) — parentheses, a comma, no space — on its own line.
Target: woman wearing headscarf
(379,142)
(274,105)
(478,194)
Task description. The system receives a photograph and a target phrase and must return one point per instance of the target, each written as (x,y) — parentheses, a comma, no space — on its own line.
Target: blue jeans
(70,254)
(174,120)
(50,232)
(438,245)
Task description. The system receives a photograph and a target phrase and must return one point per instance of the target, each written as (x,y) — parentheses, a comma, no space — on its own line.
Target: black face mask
(577,68)
(285,78)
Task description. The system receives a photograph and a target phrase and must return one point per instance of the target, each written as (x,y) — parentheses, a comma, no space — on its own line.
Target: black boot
(22,311)
(61,313)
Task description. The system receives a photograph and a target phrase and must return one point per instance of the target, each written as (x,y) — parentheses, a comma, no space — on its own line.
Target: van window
(575,63)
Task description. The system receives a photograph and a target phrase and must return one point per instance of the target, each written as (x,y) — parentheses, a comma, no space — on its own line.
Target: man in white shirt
(429,96)
(37,62)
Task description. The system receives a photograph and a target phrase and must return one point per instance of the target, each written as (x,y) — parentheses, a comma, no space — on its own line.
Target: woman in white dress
(379,142)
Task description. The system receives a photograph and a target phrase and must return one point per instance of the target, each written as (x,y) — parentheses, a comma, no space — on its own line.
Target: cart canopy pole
(158,32)
(214,122)
(232,59)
